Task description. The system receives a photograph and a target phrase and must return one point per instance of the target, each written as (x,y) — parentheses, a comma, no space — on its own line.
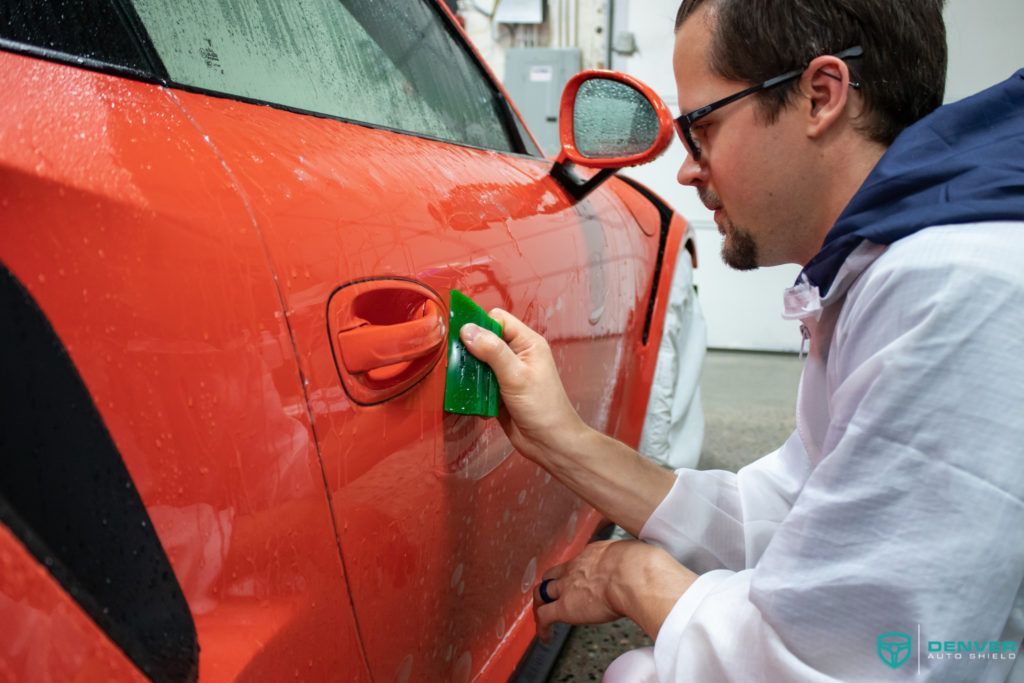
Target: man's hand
(536,413)
(610,579)
(541,423)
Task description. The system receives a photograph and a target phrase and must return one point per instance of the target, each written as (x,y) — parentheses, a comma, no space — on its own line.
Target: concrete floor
(749,399)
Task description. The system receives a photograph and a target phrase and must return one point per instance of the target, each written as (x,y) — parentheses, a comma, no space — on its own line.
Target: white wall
(985,46)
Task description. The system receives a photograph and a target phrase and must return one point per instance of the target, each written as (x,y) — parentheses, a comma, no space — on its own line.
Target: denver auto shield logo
(893,648)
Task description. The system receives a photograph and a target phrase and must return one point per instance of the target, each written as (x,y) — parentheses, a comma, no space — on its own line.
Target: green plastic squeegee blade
(470,386)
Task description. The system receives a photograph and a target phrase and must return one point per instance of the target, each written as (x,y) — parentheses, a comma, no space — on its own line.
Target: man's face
(750,174)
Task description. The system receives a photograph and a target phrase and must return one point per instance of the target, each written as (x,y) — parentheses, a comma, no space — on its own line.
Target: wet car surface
(202,203)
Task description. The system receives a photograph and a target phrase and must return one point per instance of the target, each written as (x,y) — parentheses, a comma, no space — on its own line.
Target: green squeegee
(470,387)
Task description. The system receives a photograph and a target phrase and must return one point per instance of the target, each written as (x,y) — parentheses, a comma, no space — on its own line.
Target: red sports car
(229,230)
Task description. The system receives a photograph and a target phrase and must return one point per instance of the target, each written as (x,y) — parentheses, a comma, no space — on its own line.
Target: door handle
(372,347)
(386,336)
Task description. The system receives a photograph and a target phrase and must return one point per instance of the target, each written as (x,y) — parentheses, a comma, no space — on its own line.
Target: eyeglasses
(684,123)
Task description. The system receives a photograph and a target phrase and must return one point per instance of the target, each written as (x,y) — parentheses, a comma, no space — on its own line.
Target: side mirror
(607,121)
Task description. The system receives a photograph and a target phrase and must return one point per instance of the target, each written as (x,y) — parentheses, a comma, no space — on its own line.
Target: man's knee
(635,666)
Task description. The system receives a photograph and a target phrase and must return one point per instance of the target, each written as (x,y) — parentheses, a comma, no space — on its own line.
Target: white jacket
(898,503)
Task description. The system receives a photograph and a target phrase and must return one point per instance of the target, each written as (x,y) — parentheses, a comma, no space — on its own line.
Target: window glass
(94,29)
(385,62)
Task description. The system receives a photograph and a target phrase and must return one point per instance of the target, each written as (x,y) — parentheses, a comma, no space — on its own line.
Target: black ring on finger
(543,590)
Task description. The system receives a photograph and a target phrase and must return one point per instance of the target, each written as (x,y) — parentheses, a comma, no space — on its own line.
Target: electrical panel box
(535,78)
(519,12)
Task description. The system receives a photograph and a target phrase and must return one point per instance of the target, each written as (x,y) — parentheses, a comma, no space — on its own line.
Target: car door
(158,457)
(383,169)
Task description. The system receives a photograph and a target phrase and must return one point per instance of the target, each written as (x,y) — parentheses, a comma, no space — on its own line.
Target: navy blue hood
(963,163)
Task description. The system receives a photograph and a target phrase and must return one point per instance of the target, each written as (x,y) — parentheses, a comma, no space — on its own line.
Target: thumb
(491,349)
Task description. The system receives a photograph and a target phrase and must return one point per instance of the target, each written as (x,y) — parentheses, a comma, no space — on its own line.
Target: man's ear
(826,86)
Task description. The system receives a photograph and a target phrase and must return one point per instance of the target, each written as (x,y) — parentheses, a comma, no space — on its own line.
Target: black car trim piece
(666,212)
(540,659)
(68,497)
(81,62)
(575,186)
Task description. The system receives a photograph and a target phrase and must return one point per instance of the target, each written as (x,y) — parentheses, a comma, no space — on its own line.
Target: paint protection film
(391,64)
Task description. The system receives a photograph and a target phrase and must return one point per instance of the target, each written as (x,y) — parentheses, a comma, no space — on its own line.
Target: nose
(691,172)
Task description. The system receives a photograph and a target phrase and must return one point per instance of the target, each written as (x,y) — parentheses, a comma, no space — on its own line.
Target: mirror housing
(607,121)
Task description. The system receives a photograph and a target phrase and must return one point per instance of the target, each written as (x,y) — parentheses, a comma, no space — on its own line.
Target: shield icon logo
(894,648)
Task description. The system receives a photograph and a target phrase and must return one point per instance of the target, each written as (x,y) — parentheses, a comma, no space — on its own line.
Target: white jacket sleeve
(713,519)
(914,516)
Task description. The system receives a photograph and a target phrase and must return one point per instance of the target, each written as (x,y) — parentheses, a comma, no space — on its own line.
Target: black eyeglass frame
(685,122)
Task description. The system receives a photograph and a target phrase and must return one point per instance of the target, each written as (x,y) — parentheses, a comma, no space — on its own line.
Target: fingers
(548,588)
(488,347)
(546,616)
(550,584)
(555,571)
(516,333)
(544,611)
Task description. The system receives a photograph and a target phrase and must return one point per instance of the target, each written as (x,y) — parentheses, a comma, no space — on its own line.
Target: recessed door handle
(372,347)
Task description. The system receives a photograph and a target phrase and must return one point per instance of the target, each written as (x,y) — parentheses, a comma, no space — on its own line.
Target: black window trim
(83,62)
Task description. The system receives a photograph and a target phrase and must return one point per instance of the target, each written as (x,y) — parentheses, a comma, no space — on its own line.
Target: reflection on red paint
(135,243)
(186,252)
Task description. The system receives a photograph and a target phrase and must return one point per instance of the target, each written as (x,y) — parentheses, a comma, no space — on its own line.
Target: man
(886,536)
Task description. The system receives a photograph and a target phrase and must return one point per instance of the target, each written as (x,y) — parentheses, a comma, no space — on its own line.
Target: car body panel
(439,522)
(51,638)
(186,248)
(149,267)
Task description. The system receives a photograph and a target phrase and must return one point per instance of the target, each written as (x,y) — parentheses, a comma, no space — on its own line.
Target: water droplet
(404,670)
(463,668)
(529,576)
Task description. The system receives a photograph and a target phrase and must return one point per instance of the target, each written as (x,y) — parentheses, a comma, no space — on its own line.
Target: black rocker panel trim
(66,494)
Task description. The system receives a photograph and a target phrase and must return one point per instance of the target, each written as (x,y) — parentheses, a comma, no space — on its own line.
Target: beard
(739,250)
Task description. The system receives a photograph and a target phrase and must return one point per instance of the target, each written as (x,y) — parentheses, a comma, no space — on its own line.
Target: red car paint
(189,274)
(53,640)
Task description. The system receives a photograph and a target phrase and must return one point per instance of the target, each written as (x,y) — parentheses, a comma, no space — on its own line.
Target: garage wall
(742,309)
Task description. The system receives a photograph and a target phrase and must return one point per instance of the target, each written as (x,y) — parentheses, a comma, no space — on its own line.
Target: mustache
(708,197)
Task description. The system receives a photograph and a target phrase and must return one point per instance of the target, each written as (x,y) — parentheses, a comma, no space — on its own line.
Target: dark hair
(902,72)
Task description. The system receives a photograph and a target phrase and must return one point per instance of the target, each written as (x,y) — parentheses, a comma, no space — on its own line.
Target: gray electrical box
(535,78)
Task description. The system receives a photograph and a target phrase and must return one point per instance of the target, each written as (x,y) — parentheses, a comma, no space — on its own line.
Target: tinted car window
(95,30)
(388,63)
